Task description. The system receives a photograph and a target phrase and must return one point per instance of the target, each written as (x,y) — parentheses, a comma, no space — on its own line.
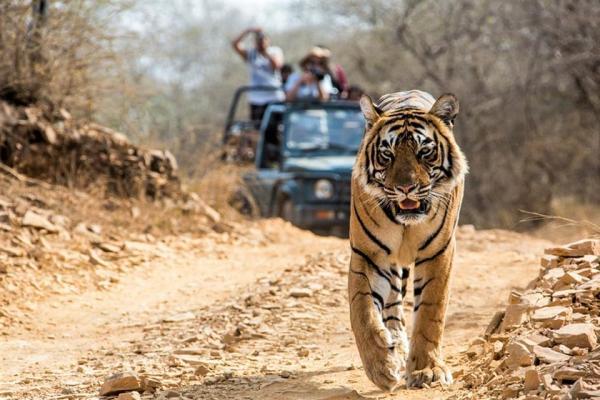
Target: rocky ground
(249,310)
(544,345)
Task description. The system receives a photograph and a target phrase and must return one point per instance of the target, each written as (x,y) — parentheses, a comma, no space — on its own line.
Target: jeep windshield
(330,130)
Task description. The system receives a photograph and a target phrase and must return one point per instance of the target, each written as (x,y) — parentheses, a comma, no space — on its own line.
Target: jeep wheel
(286,210)
(243,201)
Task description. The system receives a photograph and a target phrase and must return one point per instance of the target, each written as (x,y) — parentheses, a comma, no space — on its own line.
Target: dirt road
(260,318)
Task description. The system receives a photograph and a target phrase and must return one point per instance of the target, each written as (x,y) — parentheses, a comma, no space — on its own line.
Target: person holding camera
(264,63)
(313,82)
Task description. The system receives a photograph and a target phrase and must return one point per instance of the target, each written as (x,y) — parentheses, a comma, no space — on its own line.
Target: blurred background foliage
(527,74)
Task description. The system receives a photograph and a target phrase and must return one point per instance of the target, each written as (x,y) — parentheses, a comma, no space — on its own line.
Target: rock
(285,374)
(547,381)
(568,374)
(301,292)
(185,316)
(535,300)
(303,352)
(494,324)
(518,356)
(201,370)
(580,335)
(587,246)
(511,391)
(548,261)
(35,220)
(545,313)
(568,279)
(516,314)
(532,379)
(129,396)
(121,382)
(109,247)
(552,317)
(150,384)
(576,249)
(535,339)
(498,347)
(549,356)
(95,259)
(12,251)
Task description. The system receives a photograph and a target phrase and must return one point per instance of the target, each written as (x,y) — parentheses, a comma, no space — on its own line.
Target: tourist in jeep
(264,63)
(312,82)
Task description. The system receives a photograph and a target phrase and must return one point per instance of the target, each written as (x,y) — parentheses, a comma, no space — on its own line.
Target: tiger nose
(407,188)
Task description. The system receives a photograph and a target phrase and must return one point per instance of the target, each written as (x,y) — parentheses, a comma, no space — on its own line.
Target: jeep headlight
(323,189)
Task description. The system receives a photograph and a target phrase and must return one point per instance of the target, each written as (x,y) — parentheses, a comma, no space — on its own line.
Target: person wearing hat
(312,82)
(339,79)
(264,62)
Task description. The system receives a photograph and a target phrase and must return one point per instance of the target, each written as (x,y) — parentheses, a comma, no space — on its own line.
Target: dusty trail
(282,346)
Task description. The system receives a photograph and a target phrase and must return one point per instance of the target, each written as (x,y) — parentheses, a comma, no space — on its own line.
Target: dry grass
(217,186)
(569,220)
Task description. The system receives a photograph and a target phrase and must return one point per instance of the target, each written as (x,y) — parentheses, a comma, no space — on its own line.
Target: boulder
(580,335)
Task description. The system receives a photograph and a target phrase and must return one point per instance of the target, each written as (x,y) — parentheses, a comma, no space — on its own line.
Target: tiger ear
(445,108)
(370,110)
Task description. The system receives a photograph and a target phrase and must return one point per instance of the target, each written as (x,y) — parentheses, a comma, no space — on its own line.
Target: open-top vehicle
(304,158)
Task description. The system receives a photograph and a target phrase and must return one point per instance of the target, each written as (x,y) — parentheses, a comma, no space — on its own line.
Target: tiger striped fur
(407,188)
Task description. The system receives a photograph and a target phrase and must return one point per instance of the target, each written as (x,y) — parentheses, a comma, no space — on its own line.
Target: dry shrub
(62,57)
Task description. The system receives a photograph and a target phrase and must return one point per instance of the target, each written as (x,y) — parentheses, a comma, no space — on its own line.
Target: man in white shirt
(264,63)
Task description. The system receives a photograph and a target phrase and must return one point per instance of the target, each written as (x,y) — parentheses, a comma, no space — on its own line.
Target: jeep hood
(337,164)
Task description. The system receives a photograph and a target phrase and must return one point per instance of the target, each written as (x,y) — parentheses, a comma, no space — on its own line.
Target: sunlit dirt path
(285,345)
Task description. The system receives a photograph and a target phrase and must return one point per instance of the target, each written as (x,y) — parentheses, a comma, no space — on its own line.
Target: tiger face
(409,160)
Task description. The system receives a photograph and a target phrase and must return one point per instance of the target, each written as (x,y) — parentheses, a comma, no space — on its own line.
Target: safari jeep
(304,158)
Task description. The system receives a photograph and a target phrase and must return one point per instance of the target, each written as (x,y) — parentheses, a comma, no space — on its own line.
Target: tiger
(406,192)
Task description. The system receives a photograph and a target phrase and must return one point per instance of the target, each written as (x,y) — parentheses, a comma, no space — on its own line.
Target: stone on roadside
(548,261)
(120,382)
(201,370)
(511,391)
(576,249)
(580,335)
(518,356)
(516,314)
(534,339)
(301,292)
(568,374)
(150,384)
(184,316)
(532,379)
(568,279)
(553,316)
(129,396)
(588,246)
(549,356)
(34,220)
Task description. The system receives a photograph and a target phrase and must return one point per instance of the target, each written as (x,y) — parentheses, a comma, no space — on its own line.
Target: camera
(317,73)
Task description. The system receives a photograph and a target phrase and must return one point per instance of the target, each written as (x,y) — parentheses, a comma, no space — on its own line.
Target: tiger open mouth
(408,206)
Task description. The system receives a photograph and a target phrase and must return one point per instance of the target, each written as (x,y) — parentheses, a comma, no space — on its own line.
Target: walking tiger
(407,189)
